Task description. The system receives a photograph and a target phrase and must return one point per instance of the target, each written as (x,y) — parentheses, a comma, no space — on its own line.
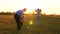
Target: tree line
(6,13)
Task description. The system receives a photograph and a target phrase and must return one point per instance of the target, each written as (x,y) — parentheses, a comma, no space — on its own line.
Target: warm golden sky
(47,6)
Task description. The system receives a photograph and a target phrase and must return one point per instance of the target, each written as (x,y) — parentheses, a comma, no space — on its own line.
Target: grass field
(48,25)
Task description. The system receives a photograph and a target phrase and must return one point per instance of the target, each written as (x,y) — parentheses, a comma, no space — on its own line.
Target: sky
(47,6)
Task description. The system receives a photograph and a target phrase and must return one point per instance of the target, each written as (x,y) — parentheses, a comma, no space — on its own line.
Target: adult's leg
(19,23)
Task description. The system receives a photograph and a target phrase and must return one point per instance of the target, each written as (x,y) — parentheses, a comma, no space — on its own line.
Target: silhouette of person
(38,16)
(19,18)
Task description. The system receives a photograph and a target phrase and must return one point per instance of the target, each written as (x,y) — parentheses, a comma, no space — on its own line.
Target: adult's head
(24,9)
(38,10)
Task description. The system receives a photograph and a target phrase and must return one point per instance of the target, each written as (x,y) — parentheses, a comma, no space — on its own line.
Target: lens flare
(30,22)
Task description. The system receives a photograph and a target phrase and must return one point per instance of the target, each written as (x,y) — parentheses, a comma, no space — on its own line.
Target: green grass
(48,25)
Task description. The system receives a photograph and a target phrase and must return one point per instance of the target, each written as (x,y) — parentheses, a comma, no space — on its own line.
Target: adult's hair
(25,9)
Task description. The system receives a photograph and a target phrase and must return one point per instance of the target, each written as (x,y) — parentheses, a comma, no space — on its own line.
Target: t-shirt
(20,14)
(38,13)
